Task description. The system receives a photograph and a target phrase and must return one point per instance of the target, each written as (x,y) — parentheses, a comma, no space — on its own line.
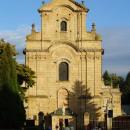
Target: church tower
(67,60)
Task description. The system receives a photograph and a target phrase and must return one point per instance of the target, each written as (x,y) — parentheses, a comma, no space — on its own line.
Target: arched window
(63,26)
(63,71)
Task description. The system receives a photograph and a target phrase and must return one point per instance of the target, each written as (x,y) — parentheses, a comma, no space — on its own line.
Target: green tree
(127,83)
(121,83)
(25,77)
(12,113)
(8,75)
(111,79)
(126,90)
(115,80)
(107,78)
(25,74)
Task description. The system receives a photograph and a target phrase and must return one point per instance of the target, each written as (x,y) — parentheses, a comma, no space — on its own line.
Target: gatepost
(86,121)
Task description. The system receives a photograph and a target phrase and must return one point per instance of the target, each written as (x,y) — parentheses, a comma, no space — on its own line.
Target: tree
(127,83)
(25,74)
(12,113)
(126,90)
(81,101)
(111,79)
(8,76)
(115,80)
(107,78)
(121,83)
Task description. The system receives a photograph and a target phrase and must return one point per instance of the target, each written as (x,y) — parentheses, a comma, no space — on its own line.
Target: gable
(80,5)
(71,4)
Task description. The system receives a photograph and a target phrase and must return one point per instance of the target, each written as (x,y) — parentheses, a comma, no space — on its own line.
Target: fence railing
(116,125)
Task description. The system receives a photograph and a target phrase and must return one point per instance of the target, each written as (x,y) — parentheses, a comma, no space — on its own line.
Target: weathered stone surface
(79,48)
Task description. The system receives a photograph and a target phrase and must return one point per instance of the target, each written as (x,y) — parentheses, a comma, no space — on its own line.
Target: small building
(63,118)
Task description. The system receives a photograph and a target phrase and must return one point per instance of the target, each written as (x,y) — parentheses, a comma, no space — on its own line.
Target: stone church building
(67,60)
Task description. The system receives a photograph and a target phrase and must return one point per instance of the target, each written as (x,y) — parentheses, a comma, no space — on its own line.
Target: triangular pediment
(73,5)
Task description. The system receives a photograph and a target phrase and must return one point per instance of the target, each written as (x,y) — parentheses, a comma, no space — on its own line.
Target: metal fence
(116,125)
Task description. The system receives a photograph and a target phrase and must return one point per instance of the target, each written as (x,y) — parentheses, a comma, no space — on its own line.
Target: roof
(59,112)
(47,6)
(80,5)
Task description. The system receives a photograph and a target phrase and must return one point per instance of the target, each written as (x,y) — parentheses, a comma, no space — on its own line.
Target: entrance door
(66,123)
(60,124)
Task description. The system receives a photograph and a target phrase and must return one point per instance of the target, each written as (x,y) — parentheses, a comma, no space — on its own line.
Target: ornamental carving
(97,57)
(36,57)
(91,57)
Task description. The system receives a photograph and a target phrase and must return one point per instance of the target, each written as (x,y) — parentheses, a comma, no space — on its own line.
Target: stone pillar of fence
(86,121)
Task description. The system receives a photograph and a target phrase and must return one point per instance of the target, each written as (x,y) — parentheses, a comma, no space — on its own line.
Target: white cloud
(16,37)
(116,42)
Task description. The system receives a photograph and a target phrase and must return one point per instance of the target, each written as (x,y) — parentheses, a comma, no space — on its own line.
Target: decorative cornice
(80,5)
(86,40)
(40,11)
(31,40)
(68,43)
(38,96)
(90,50)
(78,50)
(37,50)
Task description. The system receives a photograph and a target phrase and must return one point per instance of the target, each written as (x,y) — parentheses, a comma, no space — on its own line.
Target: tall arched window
(63,71)
(63,26)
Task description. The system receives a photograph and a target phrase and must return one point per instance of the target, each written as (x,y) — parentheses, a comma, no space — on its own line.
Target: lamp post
(109,114)
(110,109)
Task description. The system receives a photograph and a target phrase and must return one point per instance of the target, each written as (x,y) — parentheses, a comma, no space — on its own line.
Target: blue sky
(112,18)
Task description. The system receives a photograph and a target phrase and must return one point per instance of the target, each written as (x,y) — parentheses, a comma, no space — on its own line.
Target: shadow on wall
(81,101)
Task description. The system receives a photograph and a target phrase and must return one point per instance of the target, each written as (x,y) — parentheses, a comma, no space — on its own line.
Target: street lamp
(109,114)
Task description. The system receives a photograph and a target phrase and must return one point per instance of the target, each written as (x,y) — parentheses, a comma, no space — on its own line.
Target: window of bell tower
(63,26)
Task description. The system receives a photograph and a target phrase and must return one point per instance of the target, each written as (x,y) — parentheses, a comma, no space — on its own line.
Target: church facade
(67,60)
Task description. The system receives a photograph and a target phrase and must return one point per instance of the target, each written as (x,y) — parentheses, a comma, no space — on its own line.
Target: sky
(112,18)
